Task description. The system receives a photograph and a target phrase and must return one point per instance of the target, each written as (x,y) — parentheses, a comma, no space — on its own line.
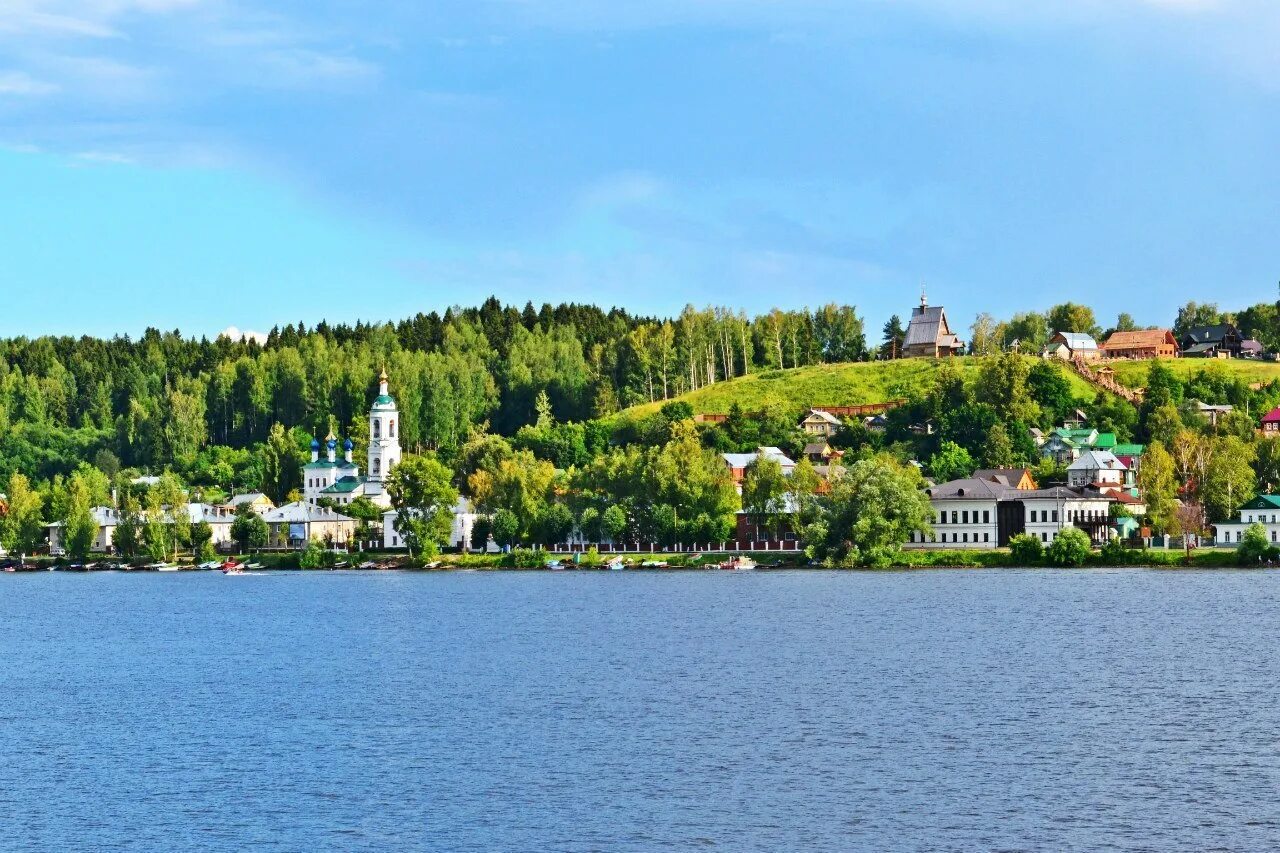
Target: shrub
(524,558)
(1114,553)
(1254,547)
(590,558)
(1071,548)
(1026,549)
(314,556)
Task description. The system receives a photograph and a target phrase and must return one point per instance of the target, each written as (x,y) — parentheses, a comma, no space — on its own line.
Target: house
(820,423)
(1218,341)
(1146,343)
(1264,510)
(1130,455)
(107,519)
(928,333)
(257,501)
(1070,346)
(1099,469)
(1271,422)
(821,453)
(984,514)
(1017,478)
(294,525)
(738,462)
(1249,348)
(464,521)
(1213,413)
(1065,444)
(218,518)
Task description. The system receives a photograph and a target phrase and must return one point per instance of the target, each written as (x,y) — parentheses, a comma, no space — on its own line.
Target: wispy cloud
(22,83)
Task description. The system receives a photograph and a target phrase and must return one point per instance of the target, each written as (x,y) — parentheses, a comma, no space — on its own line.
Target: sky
(204,164)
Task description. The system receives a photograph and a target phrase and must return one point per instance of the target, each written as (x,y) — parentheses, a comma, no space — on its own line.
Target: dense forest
(198,407)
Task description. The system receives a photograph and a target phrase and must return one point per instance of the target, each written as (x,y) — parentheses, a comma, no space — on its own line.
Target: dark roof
(1012,475)
(1210,334)
(1139,338)
(928,325)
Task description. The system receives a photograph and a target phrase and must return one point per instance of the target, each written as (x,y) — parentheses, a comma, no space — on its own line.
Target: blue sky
(207,163)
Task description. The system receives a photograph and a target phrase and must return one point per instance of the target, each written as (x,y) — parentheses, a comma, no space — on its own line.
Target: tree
(282,463)
(892,336)
(506,527)
(1070,317)
(249,530)
(872,510)
(22,528)
(1125,323)
(1070,548)
(951,462)
(555,525)
(1159,487)
(999,452)
(422,493)
(1230,480)
(1027,332)
(1189,521)
(1193,314)
(1051,389)
(1002,383)
(201,538)
(613,523)
(169,502)
(1266,463)
(1164,423)
(127,539)
(1026,549)
(79,528)
(764,493)
(984,335)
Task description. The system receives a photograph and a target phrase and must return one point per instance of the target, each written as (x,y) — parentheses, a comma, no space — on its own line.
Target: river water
(933,710)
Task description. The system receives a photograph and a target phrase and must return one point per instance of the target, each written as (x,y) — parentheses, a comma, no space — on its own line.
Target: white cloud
(22,83)
(236,334)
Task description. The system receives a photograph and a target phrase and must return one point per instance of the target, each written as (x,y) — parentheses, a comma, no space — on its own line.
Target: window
(377,466)
(986,516)
(955,517)
(391,429)
(1044,537)
(966,516)
(377,428)
(1055,515)
(966,537)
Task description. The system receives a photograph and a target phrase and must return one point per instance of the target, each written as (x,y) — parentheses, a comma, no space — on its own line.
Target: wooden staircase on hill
(1104,379)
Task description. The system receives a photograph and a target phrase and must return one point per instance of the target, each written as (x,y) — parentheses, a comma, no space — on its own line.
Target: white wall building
(1097,468)
(1264,510)
(339,480)
(464,521)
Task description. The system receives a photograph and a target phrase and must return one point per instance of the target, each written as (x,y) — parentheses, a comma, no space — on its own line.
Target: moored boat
(738,564)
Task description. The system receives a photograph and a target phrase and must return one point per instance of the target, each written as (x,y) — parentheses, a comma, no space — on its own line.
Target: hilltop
(847,384)
(1134,373)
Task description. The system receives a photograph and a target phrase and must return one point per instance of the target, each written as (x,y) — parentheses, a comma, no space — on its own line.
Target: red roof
(1272,416)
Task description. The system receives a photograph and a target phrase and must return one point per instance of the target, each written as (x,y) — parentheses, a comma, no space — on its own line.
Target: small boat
(368,564)
(555,565)
(655,564)
(616,564)
(253,565)
(230,567)
(738,564)
(211,565)
(163,567)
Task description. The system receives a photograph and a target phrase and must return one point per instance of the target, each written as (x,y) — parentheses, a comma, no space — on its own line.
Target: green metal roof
(1129,449)
(384,400)
(1263,502)
(316,466)
(343,486)
(1105,441)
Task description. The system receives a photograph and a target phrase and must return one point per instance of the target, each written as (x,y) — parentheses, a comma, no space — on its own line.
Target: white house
(107,518)
(1098,468)
(294,525)
(1264,510)
(257,501)
(738,462)
(981,513)
(464,521)
(1069,346)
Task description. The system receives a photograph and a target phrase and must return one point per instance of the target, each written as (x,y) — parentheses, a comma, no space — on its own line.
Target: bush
(314,556)
(1254,547)
(1026,549)
(1071,548)
(590,558)
(524,558)
(1114,553)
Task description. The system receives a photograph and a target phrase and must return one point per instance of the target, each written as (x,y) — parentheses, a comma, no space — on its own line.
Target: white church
(340,480)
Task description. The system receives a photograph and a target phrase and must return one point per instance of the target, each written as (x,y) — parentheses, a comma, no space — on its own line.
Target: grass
(848,384)
(1134,373)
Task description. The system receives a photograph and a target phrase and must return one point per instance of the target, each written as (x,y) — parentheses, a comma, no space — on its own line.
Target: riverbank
(1204,558)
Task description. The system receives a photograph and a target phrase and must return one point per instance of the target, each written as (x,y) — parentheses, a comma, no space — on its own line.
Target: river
(765,711)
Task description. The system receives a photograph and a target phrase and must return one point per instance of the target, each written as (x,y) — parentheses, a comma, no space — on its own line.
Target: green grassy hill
(827,385)
(1134,373)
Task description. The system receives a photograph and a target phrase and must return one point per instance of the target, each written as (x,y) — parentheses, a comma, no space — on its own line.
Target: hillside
(827,385)
(1134,373)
